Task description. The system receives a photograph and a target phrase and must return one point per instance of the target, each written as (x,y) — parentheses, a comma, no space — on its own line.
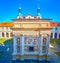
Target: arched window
(7,35)
(59,35)
(2,34)
(11,35)
(55,35)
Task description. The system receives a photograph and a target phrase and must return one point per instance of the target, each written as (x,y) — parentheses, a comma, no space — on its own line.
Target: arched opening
(59,35)
(51,35)
(2,34)
(11,35)
(7,35)
(55,35)
(44,41)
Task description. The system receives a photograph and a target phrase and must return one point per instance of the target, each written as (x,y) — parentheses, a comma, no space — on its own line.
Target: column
(40,47)
(57,35)
(53,35)
(22,44)
(41,43)
(48,48)
(48,45)
(14,45)
(9,34)
(5,34)
(0,34)
(22,47)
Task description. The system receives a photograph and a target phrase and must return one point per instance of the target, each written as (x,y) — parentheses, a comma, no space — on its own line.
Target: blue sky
(48,8)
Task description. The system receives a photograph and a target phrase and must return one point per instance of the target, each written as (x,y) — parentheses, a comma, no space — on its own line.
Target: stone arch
(7,35)
(51,35)
(55,35)
(59,35)
(2,34)
(11,34)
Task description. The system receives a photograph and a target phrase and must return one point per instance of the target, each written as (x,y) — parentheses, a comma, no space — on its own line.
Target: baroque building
(5,31)
(31,37)
(55,34)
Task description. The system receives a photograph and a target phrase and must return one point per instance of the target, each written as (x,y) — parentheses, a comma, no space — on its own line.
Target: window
(59,35)
(31,49)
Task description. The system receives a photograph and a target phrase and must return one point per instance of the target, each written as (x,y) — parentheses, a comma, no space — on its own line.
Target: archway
(55,35)
(7,35)
(2,34)
(59,35)
(11,34)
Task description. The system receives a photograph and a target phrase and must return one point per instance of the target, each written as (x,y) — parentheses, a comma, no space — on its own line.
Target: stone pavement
(54,58)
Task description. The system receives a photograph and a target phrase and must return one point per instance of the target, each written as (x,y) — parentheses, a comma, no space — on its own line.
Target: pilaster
(0,34)
(22,45)
(48,48)
(14,45)
(48,42)
(57,35)
(5,34)
(53,35)
(9,35)
(40,47)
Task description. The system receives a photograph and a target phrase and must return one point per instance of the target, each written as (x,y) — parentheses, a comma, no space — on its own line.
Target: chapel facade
(31,37)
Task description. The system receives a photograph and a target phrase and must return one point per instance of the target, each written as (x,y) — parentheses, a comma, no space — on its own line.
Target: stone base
(45,57)
(14,58)
(33,57)
(48,58)
(40,58)
(22,59)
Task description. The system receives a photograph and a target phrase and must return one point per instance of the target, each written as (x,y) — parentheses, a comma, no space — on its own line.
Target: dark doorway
(2,34)
(59,35)
(7,35)
(55,35)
